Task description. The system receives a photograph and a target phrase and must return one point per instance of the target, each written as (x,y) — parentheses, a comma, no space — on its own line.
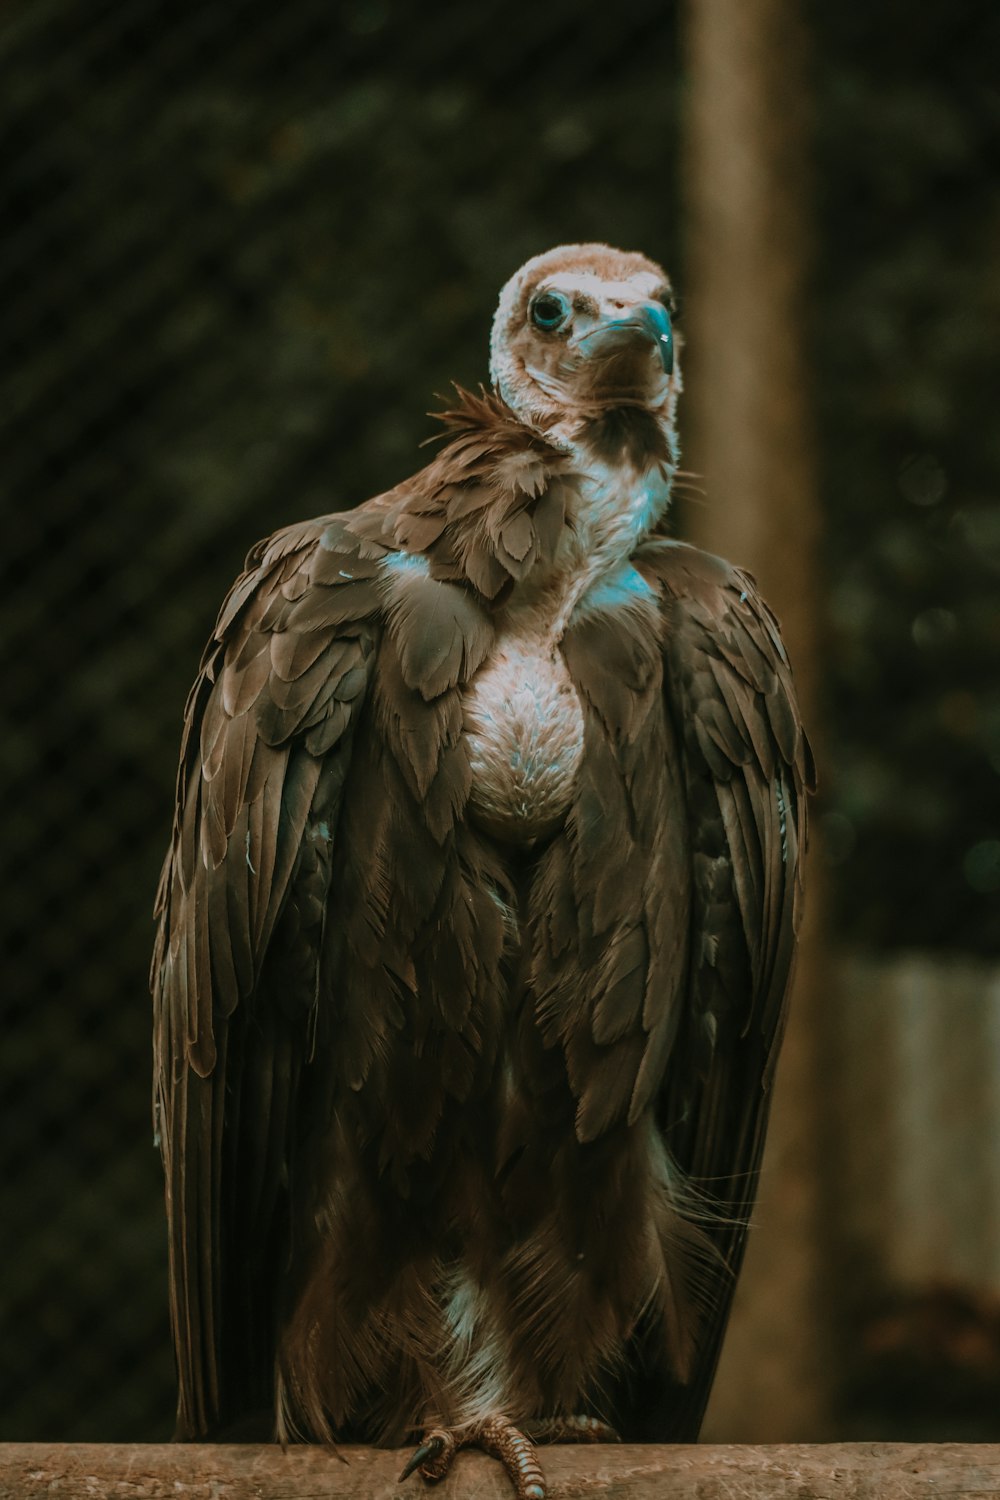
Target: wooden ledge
(168,1471)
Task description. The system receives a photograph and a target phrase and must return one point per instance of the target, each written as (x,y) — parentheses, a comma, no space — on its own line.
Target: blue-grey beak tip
(659,321)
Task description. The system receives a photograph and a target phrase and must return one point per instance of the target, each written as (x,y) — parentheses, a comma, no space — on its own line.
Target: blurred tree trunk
(747,430)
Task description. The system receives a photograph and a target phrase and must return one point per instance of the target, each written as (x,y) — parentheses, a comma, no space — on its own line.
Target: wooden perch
(835,1471)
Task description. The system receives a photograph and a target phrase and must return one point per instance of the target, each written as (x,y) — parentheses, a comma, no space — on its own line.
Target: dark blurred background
(245,246)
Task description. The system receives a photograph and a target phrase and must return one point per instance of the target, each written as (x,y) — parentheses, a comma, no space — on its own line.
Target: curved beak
(646,320)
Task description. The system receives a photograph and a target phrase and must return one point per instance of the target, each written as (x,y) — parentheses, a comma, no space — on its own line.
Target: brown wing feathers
(256,801)
(747,767)
(487,509)
(612,996)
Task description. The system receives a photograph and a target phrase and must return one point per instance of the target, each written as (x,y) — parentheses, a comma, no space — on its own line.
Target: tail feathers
(366,1373)
(685,1270)
(572,1315)
(552,1330)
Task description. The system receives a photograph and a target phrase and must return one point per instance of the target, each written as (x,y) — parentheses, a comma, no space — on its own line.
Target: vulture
(475,929)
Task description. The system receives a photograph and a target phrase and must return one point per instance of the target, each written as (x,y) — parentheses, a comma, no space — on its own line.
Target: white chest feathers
(523,731)
(523,719)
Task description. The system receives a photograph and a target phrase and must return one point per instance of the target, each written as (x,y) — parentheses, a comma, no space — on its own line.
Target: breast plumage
(523,729)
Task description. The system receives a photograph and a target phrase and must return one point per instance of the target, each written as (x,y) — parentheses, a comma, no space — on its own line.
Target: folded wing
(747,768)
(241,907)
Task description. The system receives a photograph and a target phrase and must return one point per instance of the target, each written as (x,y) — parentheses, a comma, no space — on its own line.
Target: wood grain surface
(845,1471)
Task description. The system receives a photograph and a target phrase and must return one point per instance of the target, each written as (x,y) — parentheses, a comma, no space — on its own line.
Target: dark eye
(549,311)
(671,302)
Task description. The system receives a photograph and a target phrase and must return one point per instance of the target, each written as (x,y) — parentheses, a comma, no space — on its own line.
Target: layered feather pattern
(454,1125)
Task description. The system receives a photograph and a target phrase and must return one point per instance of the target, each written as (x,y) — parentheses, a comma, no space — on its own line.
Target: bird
(476,926)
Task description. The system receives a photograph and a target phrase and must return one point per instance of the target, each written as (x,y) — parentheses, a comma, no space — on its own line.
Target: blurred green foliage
(907,330)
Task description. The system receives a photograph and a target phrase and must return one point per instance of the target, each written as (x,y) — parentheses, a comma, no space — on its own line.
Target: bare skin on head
(555,356)
(476,926)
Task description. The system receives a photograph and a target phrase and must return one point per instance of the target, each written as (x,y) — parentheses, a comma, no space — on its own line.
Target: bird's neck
(623,464)
(618,491)
(622,460)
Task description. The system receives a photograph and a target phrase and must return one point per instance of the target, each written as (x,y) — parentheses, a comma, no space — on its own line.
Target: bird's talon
(516,1452)
(494,1435)
(433,1457)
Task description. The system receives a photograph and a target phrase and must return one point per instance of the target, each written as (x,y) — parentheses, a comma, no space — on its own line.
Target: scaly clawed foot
(496,1436)
(513,1447)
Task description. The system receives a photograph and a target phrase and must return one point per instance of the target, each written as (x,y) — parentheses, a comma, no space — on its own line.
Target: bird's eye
(549,311)
(671,301)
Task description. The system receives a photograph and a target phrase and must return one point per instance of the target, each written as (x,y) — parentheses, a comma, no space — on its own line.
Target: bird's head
(581,330)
